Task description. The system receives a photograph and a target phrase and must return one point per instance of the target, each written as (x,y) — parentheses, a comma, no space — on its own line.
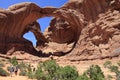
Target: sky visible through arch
(44,22)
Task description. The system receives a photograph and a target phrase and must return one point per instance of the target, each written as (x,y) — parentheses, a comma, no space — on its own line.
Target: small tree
(13,61)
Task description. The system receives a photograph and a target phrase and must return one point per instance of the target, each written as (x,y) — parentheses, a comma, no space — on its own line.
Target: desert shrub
(66,73)
(13,61)
(109,77)
(2,64)
(8,68)
(107,64)
(22,65)
(83,77)
(95,73)
(40,75)
(118,63)
(23,73)
(31,74)
(46,70)
(25,69)
(115,69)
(50,70)
(51,67)
(3,72)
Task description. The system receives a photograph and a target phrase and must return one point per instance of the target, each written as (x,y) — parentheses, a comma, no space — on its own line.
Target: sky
(44,22)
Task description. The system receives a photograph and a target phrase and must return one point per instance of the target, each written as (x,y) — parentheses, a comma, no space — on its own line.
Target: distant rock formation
(92,25)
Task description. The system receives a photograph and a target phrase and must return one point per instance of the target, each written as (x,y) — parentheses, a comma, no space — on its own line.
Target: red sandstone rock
(14,23)
(93,25)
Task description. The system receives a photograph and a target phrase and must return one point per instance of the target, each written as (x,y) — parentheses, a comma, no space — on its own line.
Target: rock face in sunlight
(100,37)
(15,22)
(92,26)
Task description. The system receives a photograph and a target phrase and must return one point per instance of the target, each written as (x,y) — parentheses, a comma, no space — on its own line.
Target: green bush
(83,77)
(66,73)
(50,70)
(51,67)
(40,75)
(95,73)
(3,72)
(13,61)
(31,75)
(118,63)
(23,73)
(114,68)
(107,64)
(22,65)
(2,64)
(46,70)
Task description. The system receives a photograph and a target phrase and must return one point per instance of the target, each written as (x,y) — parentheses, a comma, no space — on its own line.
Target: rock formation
(95,26)
(92,26)
(15,22)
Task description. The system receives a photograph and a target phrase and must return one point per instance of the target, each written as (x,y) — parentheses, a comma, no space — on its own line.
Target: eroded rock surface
(92,25)
(95,27)
(15,22)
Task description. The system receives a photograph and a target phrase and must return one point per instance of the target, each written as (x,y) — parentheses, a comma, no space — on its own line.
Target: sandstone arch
(93,25)
(15,20)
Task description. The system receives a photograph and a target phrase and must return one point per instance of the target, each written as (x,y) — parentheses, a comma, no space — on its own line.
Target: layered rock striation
(92,26)
(18,20)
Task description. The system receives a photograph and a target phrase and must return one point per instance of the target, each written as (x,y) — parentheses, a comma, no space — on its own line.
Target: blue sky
(44,22)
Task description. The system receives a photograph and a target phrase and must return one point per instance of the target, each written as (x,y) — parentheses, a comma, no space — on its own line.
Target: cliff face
(100,37)
(92,26)
(95,26)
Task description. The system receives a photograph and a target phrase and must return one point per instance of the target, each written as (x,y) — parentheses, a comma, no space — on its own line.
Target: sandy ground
(14,78)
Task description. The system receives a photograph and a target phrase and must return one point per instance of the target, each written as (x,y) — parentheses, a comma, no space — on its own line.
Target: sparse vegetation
(2,64)
(23,73)
(109,77)
(83,77)
(50,70)
(114,68)
(3,72)
(93,73)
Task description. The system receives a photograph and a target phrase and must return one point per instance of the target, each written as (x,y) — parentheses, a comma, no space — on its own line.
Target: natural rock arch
(15,20)
(94,25)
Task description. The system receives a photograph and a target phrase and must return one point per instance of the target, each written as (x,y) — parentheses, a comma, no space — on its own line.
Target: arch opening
(30,36)
(44,22)
(53,29)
